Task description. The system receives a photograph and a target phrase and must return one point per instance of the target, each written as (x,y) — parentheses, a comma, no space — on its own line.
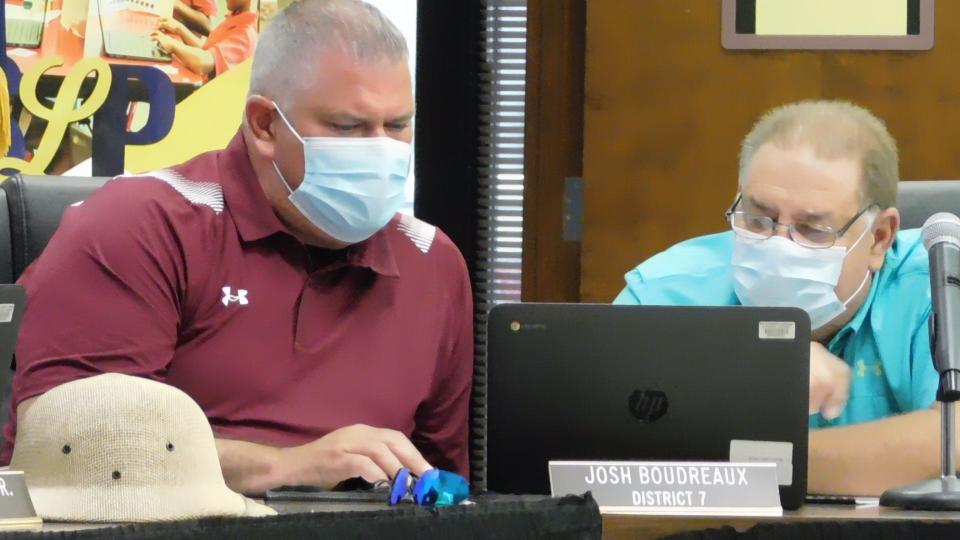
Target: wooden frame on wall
(736,33)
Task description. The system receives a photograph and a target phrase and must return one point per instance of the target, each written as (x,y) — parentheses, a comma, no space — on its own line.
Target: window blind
(500,186)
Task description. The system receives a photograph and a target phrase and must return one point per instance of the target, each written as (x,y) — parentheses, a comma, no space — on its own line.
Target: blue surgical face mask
(352,186)
(778,272)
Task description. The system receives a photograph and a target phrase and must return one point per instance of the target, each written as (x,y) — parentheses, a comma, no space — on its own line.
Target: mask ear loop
(287,122)
(280,174)
(869,273)
(869,228)
(860,288)
(295,134)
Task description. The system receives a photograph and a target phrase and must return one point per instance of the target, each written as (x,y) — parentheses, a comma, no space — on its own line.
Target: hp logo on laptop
(648,405)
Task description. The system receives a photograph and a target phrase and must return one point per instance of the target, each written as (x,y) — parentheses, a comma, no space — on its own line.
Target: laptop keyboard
(133,44)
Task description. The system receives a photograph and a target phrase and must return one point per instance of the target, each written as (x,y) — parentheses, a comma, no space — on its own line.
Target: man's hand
(165,42)
(358,450)
(829,382)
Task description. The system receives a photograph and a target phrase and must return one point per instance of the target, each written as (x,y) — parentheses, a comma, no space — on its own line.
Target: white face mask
(778,272)
(352,186)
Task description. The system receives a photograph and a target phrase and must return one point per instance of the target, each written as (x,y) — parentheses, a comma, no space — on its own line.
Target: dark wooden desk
(281,508)
(507,516)
(620,527)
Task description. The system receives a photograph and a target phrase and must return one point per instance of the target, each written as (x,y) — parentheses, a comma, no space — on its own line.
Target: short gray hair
(299,33)
(833,130)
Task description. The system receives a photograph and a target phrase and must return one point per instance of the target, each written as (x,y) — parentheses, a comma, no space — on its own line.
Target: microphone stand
(942,493)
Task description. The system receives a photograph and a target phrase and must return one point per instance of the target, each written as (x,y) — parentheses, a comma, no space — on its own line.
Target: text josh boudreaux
(670,478)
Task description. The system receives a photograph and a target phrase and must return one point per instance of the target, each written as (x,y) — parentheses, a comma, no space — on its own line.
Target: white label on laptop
(780,453)
(671,487)
(778,330)
(6,313)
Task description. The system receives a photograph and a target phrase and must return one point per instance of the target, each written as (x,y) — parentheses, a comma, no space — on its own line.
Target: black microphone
(941,237)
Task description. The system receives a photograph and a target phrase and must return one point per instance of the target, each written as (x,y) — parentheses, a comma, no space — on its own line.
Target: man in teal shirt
(815,226)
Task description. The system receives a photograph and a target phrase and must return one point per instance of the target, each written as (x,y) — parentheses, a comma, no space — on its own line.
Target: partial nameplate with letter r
(16,508)
(672,487)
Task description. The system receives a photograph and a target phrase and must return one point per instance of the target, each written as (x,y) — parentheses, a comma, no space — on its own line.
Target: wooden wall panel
(553,146)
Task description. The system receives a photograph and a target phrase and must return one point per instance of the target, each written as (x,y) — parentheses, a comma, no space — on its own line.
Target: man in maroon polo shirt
(325,336)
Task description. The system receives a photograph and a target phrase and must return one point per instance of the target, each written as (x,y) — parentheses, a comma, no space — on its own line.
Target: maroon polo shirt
(186,276)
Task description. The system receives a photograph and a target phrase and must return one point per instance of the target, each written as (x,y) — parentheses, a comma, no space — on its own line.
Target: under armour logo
(240,297)
(863,368)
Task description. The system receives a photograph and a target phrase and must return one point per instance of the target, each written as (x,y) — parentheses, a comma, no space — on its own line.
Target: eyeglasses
(811,235)
(434,488)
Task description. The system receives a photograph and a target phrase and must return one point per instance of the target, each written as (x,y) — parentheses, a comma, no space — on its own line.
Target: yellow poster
(831,17)
(205,121)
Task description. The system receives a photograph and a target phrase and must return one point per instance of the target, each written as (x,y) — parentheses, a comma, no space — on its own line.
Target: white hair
(832,129)
(298,34)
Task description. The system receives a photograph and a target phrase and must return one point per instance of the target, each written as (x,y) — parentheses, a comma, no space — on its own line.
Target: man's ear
(885,228)
(259,121)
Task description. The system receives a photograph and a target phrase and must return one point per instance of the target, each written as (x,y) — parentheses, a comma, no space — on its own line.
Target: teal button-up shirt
(886,344)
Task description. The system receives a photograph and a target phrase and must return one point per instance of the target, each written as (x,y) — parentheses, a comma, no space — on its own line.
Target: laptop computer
(23,28)
(602,382)
(13,300)
(129,34)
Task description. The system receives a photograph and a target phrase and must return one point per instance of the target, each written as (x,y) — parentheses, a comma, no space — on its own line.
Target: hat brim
(256,509)
(124,504)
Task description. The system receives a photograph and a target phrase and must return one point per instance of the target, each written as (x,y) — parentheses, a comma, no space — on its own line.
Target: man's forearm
(191,40)
(866,459)
(192,18)
(250,468)
(197,60)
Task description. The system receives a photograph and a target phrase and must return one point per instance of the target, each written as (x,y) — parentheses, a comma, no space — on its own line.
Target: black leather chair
(30,211)
(35,205)
(6,248)
(919,199)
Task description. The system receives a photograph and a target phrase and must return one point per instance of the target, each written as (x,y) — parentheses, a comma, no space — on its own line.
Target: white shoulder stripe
(201,193)
(420,233)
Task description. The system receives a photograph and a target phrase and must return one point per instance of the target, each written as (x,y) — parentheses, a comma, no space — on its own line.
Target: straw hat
(115,448)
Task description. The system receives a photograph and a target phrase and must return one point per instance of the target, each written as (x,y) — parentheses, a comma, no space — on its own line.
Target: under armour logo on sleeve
(240,297)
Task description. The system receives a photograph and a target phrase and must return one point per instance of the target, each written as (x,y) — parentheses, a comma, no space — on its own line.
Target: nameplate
(672,487)
(16,508)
